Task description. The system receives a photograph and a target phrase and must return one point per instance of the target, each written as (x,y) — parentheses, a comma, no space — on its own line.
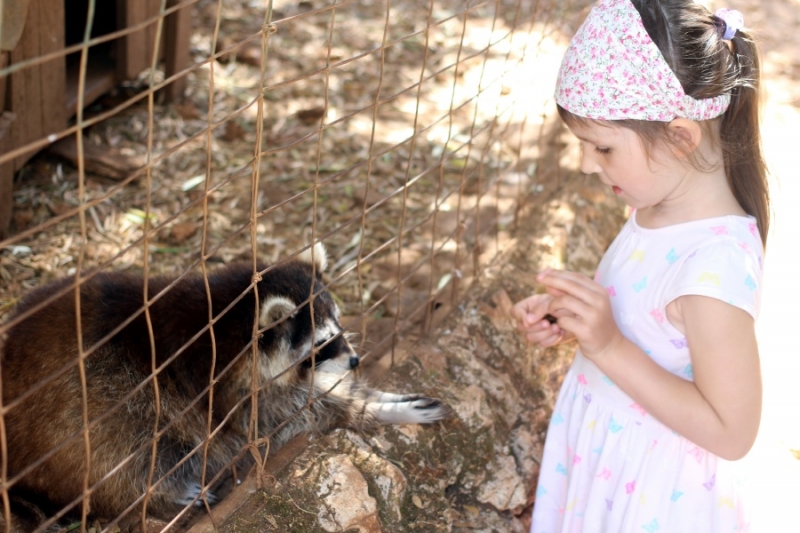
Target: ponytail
(740,136)
(691,40)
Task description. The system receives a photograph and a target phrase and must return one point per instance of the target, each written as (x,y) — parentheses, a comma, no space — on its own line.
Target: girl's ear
(685,135)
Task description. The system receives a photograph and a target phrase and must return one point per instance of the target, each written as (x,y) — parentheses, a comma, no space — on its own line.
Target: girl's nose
(588,162)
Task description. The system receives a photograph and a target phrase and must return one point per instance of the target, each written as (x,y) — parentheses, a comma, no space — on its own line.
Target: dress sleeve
(723,269)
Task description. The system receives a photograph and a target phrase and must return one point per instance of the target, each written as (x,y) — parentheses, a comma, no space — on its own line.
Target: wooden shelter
(37,100)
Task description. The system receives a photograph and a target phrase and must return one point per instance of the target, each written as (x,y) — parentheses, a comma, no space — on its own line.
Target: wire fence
(221,140)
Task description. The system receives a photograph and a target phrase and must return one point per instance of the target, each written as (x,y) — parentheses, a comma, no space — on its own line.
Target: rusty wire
(438,242)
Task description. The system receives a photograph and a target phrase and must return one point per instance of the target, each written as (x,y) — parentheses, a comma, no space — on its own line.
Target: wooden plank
(3,81)
(25,85)
(12,23)
(177,30)
(53,72)
(102,161)
(100,78)
(6,175)
(154,8)
(242,493)
(132,48)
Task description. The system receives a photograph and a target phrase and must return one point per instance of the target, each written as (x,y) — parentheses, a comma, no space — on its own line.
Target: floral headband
(613,70)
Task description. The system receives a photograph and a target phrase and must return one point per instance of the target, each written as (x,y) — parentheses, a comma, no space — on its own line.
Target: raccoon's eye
(327,351)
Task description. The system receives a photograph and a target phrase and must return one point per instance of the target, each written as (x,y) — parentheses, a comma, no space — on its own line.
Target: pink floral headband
(613,70)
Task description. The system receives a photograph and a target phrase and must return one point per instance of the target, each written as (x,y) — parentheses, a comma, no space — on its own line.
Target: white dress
(608,465)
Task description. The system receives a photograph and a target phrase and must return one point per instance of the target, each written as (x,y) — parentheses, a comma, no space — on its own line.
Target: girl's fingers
(569,306)
(529,311)
(547,341)
(572,324)
(568,282)
(535,328)
(554,292)
(553,339)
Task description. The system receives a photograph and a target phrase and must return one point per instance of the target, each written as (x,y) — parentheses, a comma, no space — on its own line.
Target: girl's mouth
(616,189)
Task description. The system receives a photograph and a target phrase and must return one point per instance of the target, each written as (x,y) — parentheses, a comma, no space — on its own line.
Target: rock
(389,480)
(345,499)
(494,385)
(527,450)
(472,408)
(504,489)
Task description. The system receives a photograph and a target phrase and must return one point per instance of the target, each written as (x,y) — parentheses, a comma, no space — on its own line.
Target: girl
(665,391)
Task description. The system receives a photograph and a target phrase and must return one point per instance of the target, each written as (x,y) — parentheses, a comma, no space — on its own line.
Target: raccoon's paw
(192,496)
(420,410)
(431,409)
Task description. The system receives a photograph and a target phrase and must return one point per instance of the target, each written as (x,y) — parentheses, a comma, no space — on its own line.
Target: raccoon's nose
(354,360)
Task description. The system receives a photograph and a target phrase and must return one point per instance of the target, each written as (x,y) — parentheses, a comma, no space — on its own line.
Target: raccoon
(201,376)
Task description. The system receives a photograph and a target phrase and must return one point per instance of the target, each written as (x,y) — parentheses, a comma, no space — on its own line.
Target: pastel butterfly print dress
(608,465)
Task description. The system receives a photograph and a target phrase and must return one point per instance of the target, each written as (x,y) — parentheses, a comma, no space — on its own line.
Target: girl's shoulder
(719,257)
(698,233)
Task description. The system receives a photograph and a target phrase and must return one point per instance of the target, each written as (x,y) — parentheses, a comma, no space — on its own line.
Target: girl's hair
(690,39)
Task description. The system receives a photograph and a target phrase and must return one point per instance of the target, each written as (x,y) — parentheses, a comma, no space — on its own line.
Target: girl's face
(618,157)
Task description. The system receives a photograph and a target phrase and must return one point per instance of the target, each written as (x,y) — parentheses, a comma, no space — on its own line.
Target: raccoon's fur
(44,430)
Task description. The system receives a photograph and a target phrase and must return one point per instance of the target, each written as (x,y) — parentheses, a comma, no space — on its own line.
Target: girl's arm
(720,411)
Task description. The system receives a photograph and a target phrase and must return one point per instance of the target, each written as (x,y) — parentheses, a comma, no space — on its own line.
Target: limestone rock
(504,489)
(472,408)
(386,477)
(345,499)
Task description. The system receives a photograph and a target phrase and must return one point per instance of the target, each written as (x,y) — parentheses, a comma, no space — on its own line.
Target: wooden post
(177,30)
(33,104)
(36,94)
(3,81)
(24,86)
(133,54)
(54,72)
(6,175)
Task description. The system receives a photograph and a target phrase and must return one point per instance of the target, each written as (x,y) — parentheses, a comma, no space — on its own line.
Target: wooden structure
(38,100)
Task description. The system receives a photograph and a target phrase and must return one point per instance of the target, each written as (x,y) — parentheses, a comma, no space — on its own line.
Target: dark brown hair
(690,39)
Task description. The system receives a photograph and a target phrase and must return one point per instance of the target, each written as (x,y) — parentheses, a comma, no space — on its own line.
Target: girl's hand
(583,309)
(529,315)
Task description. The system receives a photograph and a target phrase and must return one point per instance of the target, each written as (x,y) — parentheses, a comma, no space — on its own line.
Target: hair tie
(734,21)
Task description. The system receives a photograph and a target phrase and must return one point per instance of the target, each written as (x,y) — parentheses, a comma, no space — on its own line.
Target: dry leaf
(233,131)
(187,111)
(417,501)
(472,510)
(183,230)
(59,208)
(311,116)
(22,217)
(250,55)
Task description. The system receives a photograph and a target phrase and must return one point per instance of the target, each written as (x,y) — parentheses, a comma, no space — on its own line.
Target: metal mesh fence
(207,137)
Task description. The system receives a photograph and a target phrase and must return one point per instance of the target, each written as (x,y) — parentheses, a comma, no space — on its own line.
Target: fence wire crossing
(165,165)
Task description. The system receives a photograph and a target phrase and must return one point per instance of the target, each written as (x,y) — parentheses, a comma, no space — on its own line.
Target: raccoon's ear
(320,257)
(275,308)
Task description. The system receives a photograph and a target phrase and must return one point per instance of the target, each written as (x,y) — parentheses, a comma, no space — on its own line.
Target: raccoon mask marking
(45,445)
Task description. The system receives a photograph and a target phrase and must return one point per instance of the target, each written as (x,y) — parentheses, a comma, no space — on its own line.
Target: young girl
(665,391)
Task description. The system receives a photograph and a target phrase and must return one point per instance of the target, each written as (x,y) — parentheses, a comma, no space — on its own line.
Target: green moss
(291,512)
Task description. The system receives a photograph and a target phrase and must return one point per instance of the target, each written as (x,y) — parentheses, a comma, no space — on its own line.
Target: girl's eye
(602,150)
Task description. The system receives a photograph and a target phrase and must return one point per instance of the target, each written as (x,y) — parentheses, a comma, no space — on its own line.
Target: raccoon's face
(290,337)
